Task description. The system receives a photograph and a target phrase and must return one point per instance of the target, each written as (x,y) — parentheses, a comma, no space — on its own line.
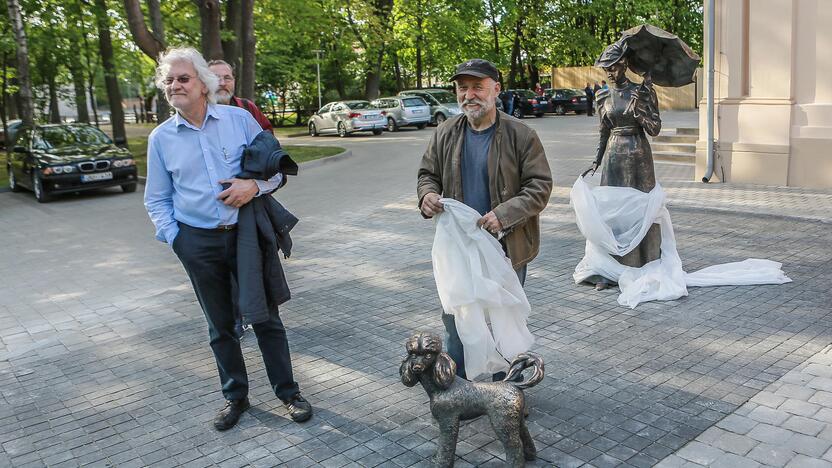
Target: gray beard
(223,98)
(475,115)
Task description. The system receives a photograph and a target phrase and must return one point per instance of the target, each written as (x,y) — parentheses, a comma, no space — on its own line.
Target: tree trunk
(398,72)
(371,90)
(77,72)
(151,43)
(249,44)
(27,113)
(4,98)
(209,20)
(54,112)
(493,20)
(105,46)
(419,39)
(515,57)
(233,28)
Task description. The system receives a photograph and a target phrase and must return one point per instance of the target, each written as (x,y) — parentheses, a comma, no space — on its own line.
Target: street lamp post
(318,53)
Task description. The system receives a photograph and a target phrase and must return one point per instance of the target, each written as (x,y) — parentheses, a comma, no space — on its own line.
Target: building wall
(773,93)
(683,98)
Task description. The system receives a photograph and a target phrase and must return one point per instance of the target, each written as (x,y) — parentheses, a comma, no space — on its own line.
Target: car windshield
(358,105)
(526,93)
(413,102)
(572,92)
(57,137)
(444,97)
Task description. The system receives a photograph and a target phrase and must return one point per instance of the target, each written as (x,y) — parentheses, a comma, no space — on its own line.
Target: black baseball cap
(477,67)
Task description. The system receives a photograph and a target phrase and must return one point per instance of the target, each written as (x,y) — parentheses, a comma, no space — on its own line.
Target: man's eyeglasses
(180,79)
(225,78)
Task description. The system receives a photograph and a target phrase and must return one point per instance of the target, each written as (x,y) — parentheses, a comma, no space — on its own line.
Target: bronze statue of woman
(627,111)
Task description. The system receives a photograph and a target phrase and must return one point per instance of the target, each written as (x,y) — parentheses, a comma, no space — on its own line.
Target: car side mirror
(19,149)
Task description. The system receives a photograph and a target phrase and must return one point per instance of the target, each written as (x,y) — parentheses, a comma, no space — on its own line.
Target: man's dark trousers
(210,259)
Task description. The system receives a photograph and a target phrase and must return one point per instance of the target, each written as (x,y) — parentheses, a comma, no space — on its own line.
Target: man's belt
(225,227)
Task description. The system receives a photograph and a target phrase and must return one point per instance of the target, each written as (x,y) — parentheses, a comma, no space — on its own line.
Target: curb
(317,162)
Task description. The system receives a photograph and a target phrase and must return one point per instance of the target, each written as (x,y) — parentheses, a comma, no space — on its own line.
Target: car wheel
(342,129)
(518,113)
(313,130)
(40,193)
(440,117)
(13,182)
(560,110)
(391,125)
(421,126)
(377,131)
(129,188)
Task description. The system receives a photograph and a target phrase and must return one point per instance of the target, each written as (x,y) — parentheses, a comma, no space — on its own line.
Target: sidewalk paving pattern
(104,358)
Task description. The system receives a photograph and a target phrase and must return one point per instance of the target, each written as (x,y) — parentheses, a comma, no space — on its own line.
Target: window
(325,109)
(414,102)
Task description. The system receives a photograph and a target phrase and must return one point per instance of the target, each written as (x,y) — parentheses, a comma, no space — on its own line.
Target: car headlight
(124,163)
(66,169)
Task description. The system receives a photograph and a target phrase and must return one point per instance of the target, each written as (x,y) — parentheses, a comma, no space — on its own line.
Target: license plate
(96,177)
(370,116)
(544,102)
(417,111)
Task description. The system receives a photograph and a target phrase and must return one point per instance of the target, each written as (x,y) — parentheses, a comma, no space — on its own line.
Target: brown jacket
(519,178)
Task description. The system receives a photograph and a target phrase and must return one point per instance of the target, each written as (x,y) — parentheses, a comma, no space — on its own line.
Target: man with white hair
(193,199)
(225,93)
(493,163)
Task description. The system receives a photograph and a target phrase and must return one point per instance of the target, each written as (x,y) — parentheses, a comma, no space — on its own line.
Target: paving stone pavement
(104,358)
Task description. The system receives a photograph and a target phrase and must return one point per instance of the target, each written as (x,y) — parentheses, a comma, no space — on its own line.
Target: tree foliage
(367,48)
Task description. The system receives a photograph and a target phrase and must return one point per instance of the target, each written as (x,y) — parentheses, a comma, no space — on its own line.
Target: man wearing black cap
(493,163)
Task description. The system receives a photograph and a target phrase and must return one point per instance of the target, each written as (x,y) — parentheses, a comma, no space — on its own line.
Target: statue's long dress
(624,154)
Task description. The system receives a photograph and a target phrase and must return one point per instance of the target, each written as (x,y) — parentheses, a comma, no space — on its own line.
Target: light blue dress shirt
(185,164)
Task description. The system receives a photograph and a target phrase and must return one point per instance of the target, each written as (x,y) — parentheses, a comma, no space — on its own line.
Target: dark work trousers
(210,259)
(453,345)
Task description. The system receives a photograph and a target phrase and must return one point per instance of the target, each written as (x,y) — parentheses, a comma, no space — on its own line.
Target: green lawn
(138,146)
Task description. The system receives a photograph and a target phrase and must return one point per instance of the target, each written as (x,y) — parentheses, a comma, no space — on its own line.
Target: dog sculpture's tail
(522,362)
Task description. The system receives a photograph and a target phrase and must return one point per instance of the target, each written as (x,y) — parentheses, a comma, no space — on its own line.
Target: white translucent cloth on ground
(477,285)
(614,221)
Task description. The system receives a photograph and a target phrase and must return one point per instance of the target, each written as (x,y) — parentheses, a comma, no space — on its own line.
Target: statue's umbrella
(660,54)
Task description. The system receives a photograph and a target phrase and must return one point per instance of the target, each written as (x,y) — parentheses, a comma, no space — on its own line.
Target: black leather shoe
(230,414)
(299,409)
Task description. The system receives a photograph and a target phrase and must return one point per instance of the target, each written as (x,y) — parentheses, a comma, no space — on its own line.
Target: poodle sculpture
(453,399)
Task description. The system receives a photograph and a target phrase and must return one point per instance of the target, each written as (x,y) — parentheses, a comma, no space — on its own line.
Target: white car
(345,117)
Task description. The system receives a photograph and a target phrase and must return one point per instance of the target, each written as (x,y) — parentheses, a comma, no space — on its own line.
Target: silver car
(402,111)
(443,103)
(345,117)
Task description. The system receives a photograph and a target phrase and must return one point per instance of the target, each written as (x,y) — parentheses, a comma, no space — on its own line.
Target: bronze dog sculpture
(452,399)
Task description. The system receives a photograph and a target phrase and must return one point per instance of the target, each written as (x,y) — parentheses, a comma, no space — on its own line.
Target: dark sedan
(526,102)
(62,158)
(565,100)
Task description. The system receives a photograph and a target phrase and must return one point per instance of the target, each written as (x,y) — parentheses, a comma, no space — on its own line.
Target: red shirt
(254,111)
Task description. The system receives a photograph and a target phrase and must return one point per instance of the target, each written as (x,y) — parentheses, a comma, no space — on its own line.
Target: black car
(62,158)
(526,102)
(567,100)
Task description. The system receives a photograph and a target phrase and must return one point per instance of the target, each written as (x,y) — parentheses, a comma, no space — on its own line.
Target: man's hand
(491,223)
(240,192)
(431,206)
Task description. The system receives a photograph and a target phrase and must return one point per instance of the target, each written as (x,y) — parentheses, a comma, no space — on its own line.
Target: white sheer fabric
(614,220)
(477,284)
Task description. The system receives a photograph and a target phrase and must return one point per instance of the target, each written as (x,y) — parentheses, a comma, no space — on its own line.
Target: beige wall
(773,93)
(684,98)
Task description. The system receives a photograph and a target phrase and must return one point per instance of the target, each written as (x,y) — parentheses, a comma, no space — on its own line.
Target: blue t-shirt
(475,192)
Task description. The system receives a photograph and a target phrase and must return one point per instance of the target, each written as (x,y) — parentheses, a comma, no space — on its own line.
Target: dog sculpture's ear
(444,370)
(408,377)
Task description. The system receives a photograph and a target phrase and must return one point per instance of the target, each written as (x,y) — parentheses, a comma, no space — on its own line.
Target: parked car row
(63,158)
(417,108)
(420,107)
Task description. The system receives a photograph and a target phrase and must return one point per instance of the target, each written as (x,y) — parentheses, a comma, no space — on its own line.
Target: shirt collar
(212,112)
